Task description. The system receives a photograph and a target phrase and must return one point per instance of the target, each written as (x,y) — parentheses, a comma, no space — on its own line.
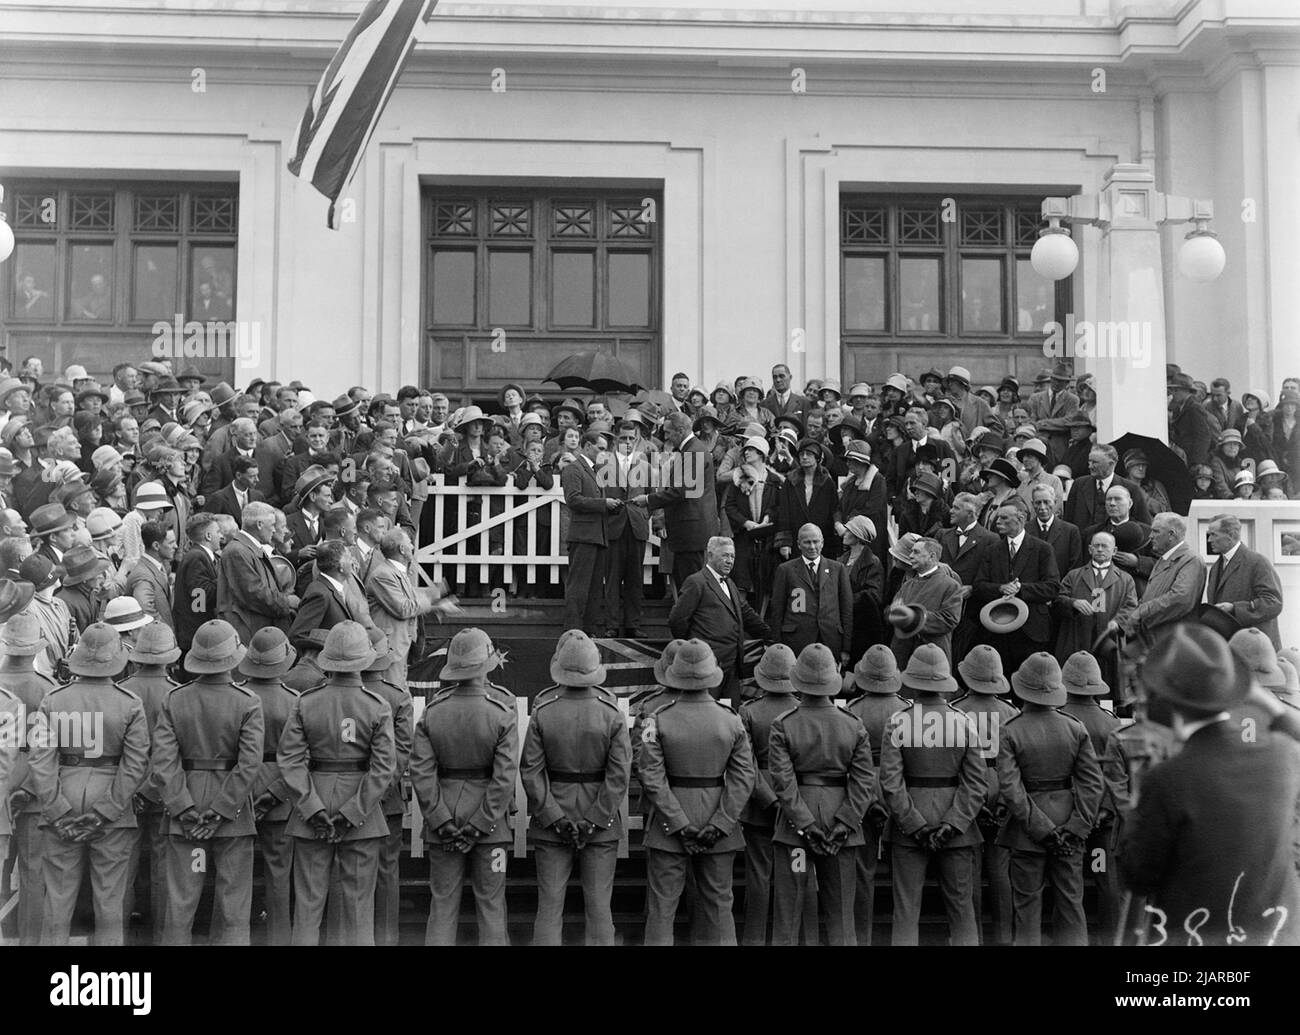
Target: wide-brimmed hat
(81,564)
(1004,469)
(102,522)
(902,550)
(829,385)
(817,672)
(1253,649)
(167,386)
(694,667)
(222,393)
(347,649)
(1217,619)
(50,518)
(876,672)
(907,619)
(665,659)
(385,653)
(1195,667)
(1004,615)
(310,480)
(99,653)
(1038,680)
(1082,675)
(862,528)
(470,654)
(928,670)
(192,373)
(269,655)
(8,386)
(705,413)
(790,418)
(21,635)
(772,673)
(574,407)
(981,670)
(40,571)
(156,645)
(1267,468)
(151,496)
(124,613)
(216,648)
(576,661)
(15,595)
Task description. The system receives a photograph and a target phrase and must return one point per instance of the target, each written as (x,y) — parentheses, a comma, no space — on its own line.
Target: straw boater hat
(216,648)
(151,496)
(156,645)
(1004,615)
(1194,666)
(875,673)
(772,673)
(1082,675)
(981,670)
(693,668)
(576,661)
(927,670)
(816,672)
(470,654)
(100,653)
(269,655)
(124,614)
(21,636)
(665,659)
(1038,680)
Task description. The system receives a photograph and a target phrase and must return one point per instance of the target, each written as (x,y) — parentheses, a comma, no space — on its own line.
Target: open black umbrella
(597,372)
(1163,465)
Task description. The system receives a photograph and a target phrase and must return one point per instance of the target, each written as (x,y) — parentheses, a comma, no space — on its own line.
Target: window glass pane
(981,295)
(212,283)
(453,287)
(864,293)
(510,276)
(629,289)
(919,290)
(33,266)
(573,289)
(1035,299)
(153,286)
(91,291)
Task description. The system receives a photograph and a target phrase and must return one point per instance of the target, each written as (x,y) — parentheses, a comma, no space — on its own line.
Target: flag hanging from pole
(351,95)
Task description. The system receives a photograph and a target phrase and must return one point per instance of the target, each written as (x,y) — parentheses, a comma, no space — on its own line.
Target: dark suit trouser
(555,864)
(187,872)
(275,847)
(1030,872)
(995,862)
(447,872)
(313,864)
(1099,860)
(956,879)
(63,865)
(665,881)
(864,897)
(623,579)
(388,882)
(836,886)
(685,565)
(148,873)
(584,588)
(28,848)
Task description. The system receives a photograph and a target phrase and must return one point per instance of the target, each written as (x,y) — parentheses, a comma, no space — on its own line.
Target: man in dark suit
(1023,567)
(964,546)
(689,500)
(195,599)
(1056,400)
(1226,411)
(242,490)
(902,461)
(248,596)
(325,603)
(313,492)
(711,607)
(150,579)
(783,400)
(589,510)
(1064,538)
(812,599)
(1241,582)
(1086,504)
(1211,836)
(243,443)
(627,530)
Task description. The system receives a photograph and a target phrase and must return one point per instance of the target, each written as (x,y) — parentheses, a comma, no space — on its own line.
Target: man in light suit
(394,606)
(812,600)
(782,400)
(1086,504)
(325,603)
(1241,582)
(711,607)
(1056,400)
(1177,580)
(248,596)
(584,584)
(150,580)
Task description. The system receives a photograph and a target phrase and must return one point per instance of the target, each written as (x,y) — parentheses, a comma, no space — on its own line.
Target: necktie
(1012,544)
(1100,572)
(1043,527)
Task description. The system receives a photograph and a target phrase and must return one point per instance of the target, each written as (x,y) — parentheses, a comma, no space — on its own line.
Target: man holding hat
(929,601)
(576,765)
(85,777)
(821,770)
(463,767)
(1020,571)
(1052,784)
(338,756)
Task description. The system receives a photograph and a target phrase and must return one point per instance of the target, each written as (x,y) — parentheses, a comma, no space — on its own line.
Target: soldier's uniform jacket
(577,762)
(12,735)
(694,740)
(1142,742)
(873,711)
(337,753)
(464,761)
(305,675)
(821,770)
(757,717)
(207,753)
(1049,777)
(925,784)
(641,706)
(70,779)
(277,702)
(1100,724)
(987,704)
(152,691)
(399,701)
(30,687)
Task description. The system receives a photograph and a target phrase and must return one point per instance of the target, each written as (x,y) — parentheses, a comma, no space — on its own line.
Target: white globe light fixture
(6,232)
(1055,255)
(1201,257)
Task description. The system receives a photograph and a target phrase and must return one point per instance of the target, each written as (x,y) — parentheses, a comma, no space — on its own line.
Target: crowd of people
(222,576)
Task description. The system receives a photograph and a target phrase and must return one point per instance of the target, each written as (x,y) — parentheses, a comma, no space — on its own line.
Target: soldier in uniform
(89,756)
(207,754)
(697,769)
(21,641)
(934,791)
(576,764)
(822,774)
(269,657)
(337,756)
(981,672)
(306,674)
(1051,782)
(463,767)
(877,680)
(153,649)
(12,736)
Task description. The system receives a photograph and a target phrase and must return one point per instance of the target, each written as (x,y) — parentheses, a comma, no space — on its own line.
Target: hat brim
(1054,697)
(382,662)
(135,623)
(452,672)
(982,686)
(203,667)
(62,525)
(101,565)
(24,650)
(26,591)
(771,684)
(307,490)
(828,687)
(705,682)
(150,658)
(889,685)
(255,670)
(345,664)
(1086,689)
(568,677)
(991,622)
(99,668)
(946,685)
(913,624)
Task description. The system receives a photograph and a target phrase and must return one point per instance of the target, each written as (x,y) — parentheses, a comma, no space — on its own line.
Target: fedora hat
(134,397)
(156,645)
(816,672)
(1180,382)
(1038,680)
(693,668)
(82,564)
(192,373)
(907,619)
(574,407)
(347,649)
(343,405)
(167,386)
(102,522)
(40,571)
(772,673)
(310,480)
(470,654)
(50,518)
(124,613)
(876,672)
(1061,372)
(151,496)
(1220,621)
(1252,648)
(1195,667)
(216,648)
(902,550)
(100,652)
(1082,675)
(70,490)
(15,595)
(928,670)
(385,654)
(269,655)
(222,393)
(576,661)
(981,670)
(665,659)
(1004,615)
(1003,469)
(21,636)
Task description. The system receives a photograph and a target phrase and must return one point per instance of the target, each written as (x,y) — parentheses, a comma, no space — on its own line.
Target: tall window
(516,280)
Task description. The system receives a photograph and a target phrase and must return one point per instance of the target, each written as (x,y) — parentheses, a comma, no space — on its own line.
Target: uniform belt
(447,773)
(991,762)
(269,756)
(875,759)
(696,781)
(590,776)
(823,779)
(102,762)
(337,765)
(1049,785)
(931,781)
(208,765)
